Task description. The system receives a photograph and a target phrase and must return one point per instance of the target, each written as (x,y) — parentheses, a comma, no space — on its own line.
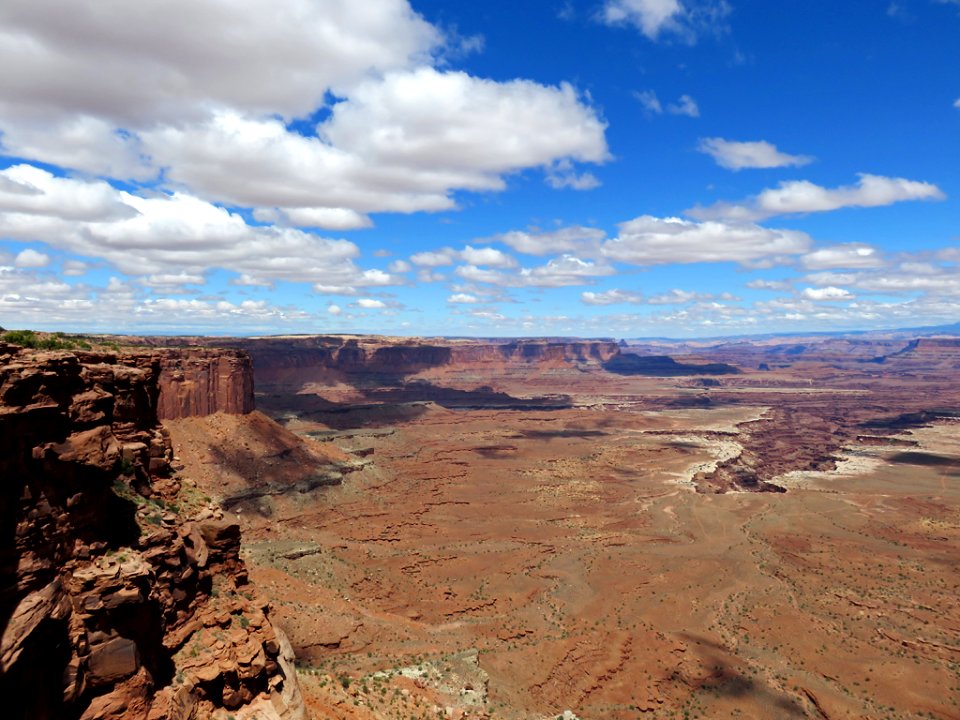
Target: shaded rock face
(123,594)
(287,362)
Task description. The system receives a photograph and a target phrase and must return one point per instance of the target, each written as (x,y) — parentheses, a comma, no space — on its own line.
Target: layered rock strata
(123,594)
(199,381)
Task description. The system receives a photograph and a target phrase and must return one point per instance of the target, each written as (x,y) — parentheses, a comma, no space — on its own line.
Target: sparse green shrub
(30,339)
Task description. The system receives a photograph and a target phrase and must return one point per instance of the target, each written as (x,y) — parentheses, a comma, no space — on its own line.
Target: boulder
(112,661)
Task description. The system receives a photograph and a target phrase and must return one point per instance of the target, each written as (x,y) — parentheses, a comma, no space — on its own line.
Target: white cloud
(488,315)
(650,101)
(802,196)
(29,190)
(399,266)
(563,271)
(167,60)
(827,293)
(686,105)
(435,258)
(769,285)
(171,280)
(463,299)
(472,273)
(75,268)
(314,217)
(956,103)
(90,144)
(735,155)
(651,17)
(30,258)
(850,255)
(27,300)
(126,91)
(488,256)
(648,240)
(611,297)
(370,303)
(568,239)
(682,297)
(170,234)
(912,274)
(402,143)
(334,309)
(561,175)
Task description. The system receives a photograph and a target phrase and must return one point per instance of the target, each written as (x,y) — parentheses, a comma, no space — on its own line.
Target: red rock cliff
(200,381)
(122,593)
(292,361)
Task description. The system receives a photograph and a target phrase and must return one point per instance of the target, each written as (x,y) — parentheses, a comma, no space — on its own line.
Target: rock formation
(123,593)
(200,381)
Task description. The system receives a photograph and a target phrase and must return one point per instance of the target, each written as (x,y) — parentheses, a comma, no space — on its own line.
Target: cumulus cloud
(564,240)
(909,275)
(849,255)
(435,258)
(651,17)
(334,309)
(370,303)
(769,285)
(491,257)
(682,297)
(563,271)
(735,155)
(171,280)
(685,105)
(402,143)
(399,266)
(650,101)
(30,258)
(126,91)
(74,268)
(463,299)
(28,300)
(656,18)
(314,217)
(31,191)
(827,293)
(649,240)
(559,178)
(139,62)
(611,297)
(802,196)
(171,234)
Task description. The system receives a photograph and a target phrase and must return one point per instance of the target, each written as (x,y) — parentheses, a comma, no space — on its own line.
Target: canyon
(482,528)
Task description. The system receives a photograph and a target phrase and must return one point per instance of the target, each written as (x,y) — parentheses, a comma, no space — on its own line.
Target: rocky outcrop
(123,593)
(199,381)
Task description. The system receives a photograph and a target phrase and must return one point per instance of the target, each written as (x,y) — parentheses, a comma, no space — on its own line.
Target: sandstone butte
(479,529)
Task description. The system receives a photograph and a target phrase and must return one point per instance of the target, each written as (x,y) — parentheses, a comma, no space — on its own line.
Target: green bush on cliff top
(30,339)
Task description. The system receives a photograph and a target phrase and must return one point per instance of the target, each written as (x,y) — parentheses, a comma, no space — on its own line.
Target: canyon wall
(199,381)
(123,594)
(285,362)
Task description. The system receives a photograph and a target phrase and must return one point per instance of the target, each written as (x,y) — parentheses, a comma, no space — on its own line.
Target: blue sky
(615,168)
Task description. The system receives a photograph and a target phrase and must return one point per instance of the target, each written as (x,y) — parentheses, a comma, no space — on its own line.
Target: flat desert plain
(578,543)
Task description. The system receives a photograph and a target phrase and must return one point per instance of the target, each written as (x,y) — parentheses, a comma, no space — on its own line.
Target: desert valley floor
(527,539)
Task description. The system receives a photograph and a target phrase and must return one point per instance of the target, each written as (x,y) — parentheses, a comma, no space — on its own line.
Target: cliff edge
(123,593)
